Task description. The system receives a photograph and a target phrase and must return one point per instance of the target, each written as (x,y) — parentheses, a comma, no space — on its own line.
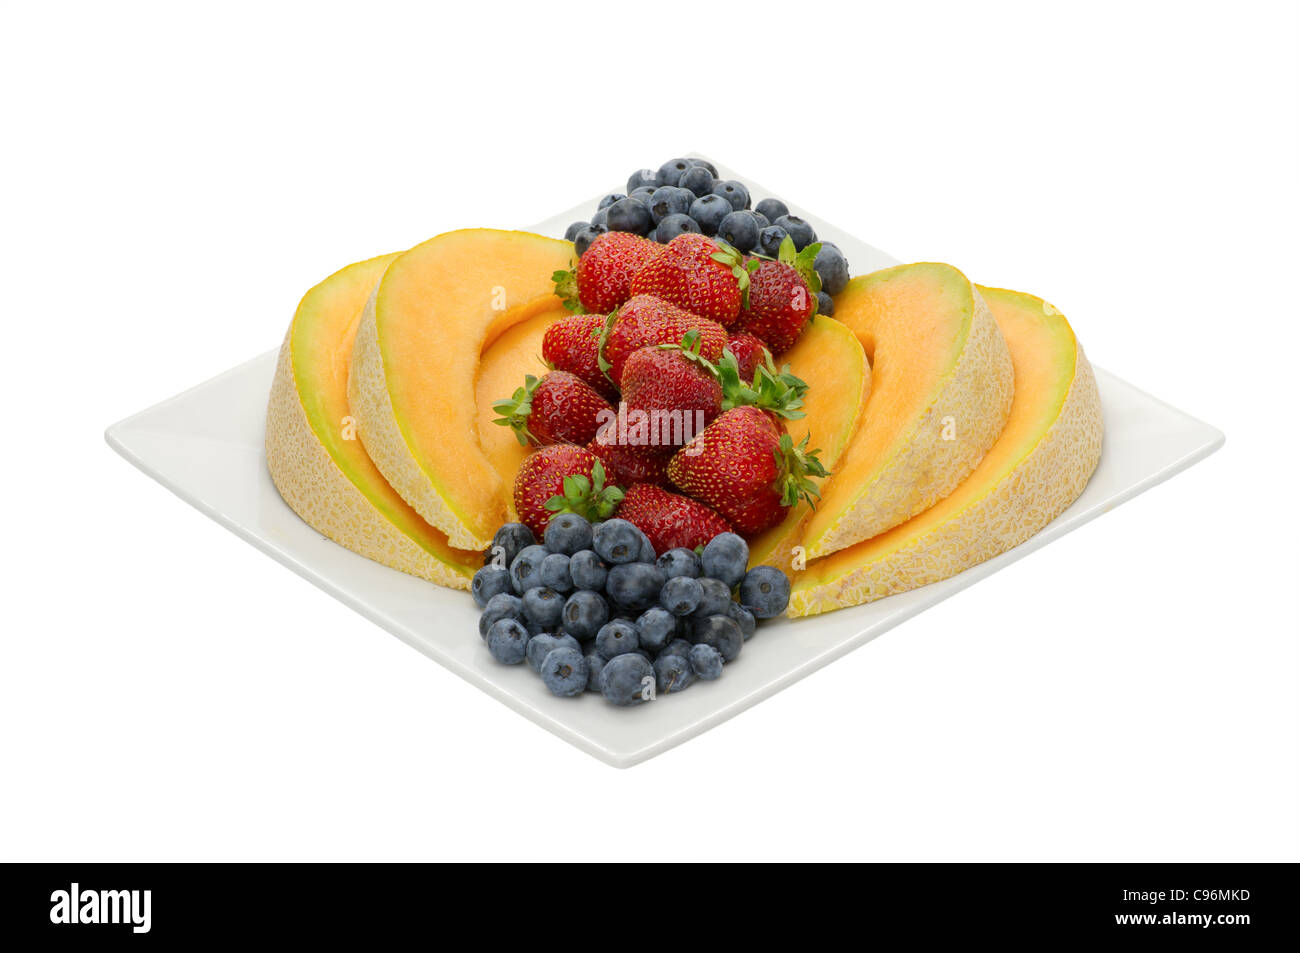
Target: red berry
(679,395)
(540,490)
(695,273)
(628,463)
(748,351)
(559,408)
(604,273)
(747,468)
(669,519)
(645,320)
(573,344)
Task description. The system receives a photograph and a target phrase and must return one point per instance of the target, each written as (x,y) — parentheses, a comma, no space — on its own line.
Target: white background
(174,180)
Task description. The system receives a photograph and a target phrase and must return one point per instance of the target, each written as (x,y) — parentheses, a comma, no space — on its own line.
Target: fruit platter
(638,467)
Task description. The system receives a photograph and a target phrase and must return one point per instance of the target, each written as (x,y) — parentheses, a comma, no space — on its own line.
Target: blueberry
(624,680)
(567,533)
(489,581)
(634,586)
(670,173)
(831,265)
(714,601)
(670,200)
(503,605)
(725,557)
(509,541)
(582,241)
(616,541)
(508,640)
(698,180)
(709,211)
(801,233)
(705,164)
(584,613)
(824,304)
(706,662)
(679,562)
(647,552)
(644,195)
(600,217)
(673,225)
(543,606)
(588,570)
(595,665)
(629,215)
(743,618)
(640,179)
(762,221)
(654,628)
(672,674)
(772,209)
(739,229)
(572,231)
(680,647)
(617,637)
(543,645)
(770,238)
(765,591)
(524,567)
(555,573)
(681,595)
(718,631)
(734,192)
(565,672)
(609,200)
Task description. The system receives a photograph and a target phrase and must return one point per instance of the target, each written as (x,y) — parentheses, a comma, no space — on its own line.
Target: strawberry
(677,391)
(562,478)
(573,344)
(668,519)
(747,468)
(645,320)
(628,463)
(698,274)
(559,408)
(782,296)
(749,351)
(601,280)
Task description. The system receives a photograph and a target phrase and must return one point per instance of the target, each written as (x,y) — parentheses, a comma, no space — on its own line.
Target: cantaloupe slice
(315,459)
(941,386)
(829,358)
(415,363)
(502,369)
(1039,465)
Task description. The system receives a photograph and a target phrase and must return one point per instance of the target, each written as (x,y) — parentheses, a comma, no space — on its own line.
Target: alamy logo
(102,906)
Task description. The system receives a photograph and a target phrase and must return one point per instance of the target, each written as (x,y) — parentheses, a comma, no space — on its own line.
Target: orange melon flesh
(941,389)
(829,358)
(415,365)
(317,463)
(515,354)
(1040,463)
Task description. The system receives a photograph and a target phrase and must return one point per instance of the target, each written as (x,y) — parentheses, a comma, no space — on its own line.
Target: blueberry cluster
(686,195)
(591,608)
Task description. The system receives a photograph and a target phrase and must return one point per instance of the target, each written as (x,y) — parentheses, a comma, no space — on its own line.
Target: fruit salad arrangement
(593,608)
(633,443)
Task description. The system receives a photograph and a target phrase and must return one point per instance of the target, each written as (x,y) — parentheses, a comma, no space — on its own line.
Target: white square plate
(205,445)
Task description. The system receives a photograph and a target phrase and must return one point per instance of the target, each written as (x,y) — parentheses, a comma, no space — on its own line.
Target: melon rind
(1025,499)
(316,488)
(977,394)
